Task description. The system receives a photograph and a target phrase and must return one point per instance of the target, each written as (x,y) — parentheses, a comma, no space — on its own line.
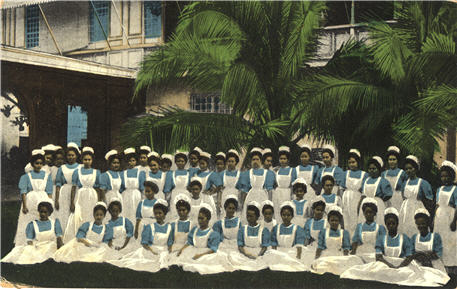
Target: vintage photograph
(228,144)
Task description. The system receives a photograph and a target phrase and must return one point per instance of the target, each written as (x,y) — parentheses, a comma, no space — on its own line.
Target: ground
(52,274)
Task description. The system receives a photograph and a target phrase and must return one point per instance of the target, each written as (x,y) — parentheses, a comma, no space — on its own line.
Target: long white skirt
(350,201)
(209,264)
(33,198)
(411,275)
(379,219)
(334,264)
(407,224)
(396,200)
(280,195)
(75,251)
(285,259)
(144,260)
(64,206)
(130,200)
(258,195)
(36,253)
(239,261)
(443,218)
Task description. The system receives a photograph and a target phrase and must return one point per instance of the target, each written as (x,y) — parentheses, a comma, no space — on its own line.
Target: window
(32,26)
(77,124)
(339,12)
(100,9)
(208,103)
(152,19)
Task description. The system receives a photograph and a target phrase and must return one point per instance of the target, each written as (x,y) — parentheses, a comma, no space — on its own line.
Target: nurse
(228,227)
(267,159)
(257,182)
(182,225)
(156,176)
(300,188)
(145,208)
(166,160)
(316,223)
(328,185)
(446,215)
(231,181)
(268,214)
(396,176)
(110,181)
(214,184)
(34,187)
(132,184)
(178,180)
(143,159)
(307,171)
(194,156)
(44,237)
(354,178)
(197,199)
(417,193)
(328,154)
(204,173)
(285,176)
(64,184)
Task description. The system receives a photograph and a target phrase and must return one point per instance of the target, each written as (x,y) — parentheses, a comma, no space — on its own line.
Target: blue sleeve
(108,234)
(318,179)
(265,237)
(82,231)
(386,189)
(299,236)
(24,184)
(214,241)
(239,183)
(407,247)
(146,235)
(97,179)
(128,227)
(379,244)
(343,183)
(240,237)
(321,240)
(49,185)
(141,179)
(30,231)
(382,231)
(190,236)
(437,245)
(270,180)
(413,244)
(346,241)
(402,180)
(294,175)
(169,183)
(171,237)
(104,182)
(138,211)
(60,180)
(339,176)
(315,174)
(245,181)
(357,234)
(307,229)
(217,227)
(58,228)
(274,241)
(74,178)
(121,175)
(453,199)
(425,191)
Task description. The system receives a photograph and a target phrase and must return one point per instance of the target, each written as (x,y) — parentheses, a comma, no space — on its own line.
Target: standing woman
(84,194)
(267,159)
(257,182)
(59,160)
(214,184)
(143,159)
(417,193)
(446,215)
(155,175)
(285,176)
(34,187)
(231,181)
(64,184)
(203,173)
(177,181)
(48,157)
(328,154)
(194,156)
(110,181)
(353,181)
(376,187)
(396,176)
(132,184)
(166,162)
(307,171)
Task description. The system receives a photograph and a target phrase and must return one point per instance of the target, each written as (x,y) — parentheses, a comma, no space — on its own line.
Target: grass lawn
(52,274)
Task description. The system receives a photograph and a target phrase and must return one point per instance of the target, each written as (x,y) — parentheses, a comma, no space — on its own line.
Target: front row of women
(374,253)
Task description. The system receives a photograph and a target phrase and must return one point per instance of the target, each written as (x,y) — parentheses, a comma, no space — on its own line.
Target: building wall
(10,133)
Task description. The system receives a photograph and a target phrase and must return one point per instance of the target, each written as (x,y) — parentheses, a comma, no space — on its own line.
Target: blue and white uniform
(446,200)
(283,192)
(365,236)
(300,210)
(333,242)
(336,172)
(131,187)
(431,242)
(64,180)
(181,231)
(176,183)
(312,229)
(111,182)
(231,181)
(228,230)
(378,189)
(353,182)
(310,174)
(397,178)
(159,179)
(145,213)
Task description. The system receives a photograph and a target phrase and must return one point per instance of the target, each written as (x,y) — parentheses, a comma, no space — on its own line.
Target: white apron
(85,199)
(269,225)
(131,196)
(350,201)
(229,243)
(43,247)
(282,193)
(195,206)
(181,183)
(229,184)
(256,193)
(113,193)
(369,190)
(160,183)
(396,199)
(148,218)
(315,233)
(33,198)
(368,242)
(119,237)
(409,206)
(332,173)
(427,246)
(65,197)
(308,176)
(300,220)
(180,238)
(443,218)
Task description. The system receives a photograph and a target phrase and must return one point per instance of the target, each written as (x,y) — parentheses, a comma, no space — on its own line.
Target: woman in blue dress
(307,171)
(194,156)
(132,184)
(396,176)
(177,181)
(300,189)
(328,154)
(143,165)
(285,176)
(111,181)
(230,178)
(155,175)
(228,226)
(316,223)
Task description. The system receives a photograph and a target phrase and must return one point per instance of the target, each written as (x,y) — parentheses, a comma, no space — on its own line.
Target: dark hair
(161,207)
(48,205)
(393,153)
(153,158)
(305,149)
(219,157)
(422,215)
(255,209)
(356,157)
(294,187)
(287,207)
(232,155)
(266,155)
(143,152)
(87,153)
(370,205)
(335,213)
(413,163)
(329,151)
(391,216)
(318,203)
(267,207)
(286,153)
(205,158)
(194,152)
(181,155)
(100,207)
(194,182)
(182,203)
(113,157)
(374,162)
(449,170)
(75,150)
(233,201)
(255,153)
(59,151)
(328,178)
(162,161)
(34,158)
(131,155)
(114,203)
(152,185)
(206,212)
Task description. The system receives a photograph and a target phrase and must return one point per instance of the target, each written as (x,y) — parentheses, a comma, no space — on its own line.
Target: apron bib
(334,244)
(407,223)
(282,193)
(119,234)
(256,193)
(443,218)
(160,183)
(393,251)
(131,196)
(397,198)
(369,190)
(286,241)
(308,176)
(350,201)
(148,218)
(427,246)
(229,184)
(368,242)
(114,192)
(315,233)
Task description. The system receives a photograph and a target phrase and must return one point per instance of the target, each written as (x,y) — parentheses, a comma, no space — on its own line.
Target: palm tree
(253,53)
(398,86)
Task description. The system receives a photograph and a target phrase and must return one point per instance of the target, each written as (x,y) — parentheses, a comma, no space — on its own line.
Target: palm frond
(441,99)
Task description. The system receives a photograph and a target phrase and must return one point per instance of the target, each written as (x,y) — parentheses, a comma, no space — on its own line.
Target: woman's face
(231,163)
(154,166)
(446,178)
(369,214)
(148,193)
(44,213)
(132,162)
(203,164)
(251,217)
(48,159)
(255,162)
(60,160)
(268,162)
(352,164)
(115,211)
(193,160)
(373,171)
(159,214)
(115,165)
(230,210)
(392,161)
(299,192)
(334,222)
(304,158)
(183,212)
(286,216)
(268,214)
(328,187)
(318,212)
(165,167)
(180,163)
(143,160)
(37,165)
(71,157)
(422,224)
(410,170)
(99,215)
(195,191)
(283,161)
(87,161)
(220,165)
(202,220)
(392,224)
(327,159)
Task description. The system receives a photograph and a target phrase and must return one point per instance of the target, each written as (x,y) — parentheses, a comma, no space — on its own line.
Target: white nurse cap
(305,146)
(129,151)
(205,155)
(145,148)
(167,157)
(300,181)
(370,201)
(162,202)
(335,208)
(197,149)
(267,203)
(392,211)
(450,165)
(255,204)
(330,148)
(232,151)
(421,211)
(88,149)
(414,159)
(256,149)
(266,151)
(356,152)
(178,152)
(393,149)
(196,179)
(287,204)
(182,197)
(284,149)
(153,154)
(56,148)
(37,152)
(208,207)
(318,199)
(48,147)
(110,153)
(378,160)
(228,197)
(115,199)
(221,154)
(100,204)
(73,145)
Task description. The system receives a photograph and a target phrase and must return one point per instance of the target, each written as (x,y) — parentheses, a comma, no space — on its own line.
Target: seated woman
(200,254)
(287,242)
(299,189)
(91,240)
(333,246)
(268,213)
(316,223)
(253,240)
(391,266)
(44,237)
(229,226)
(145,208)
(156,239)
